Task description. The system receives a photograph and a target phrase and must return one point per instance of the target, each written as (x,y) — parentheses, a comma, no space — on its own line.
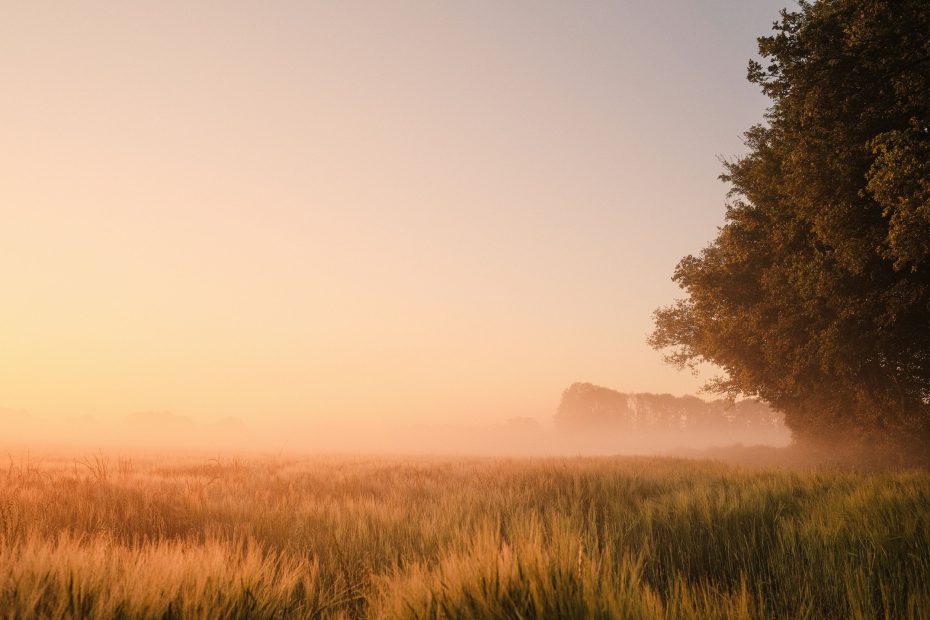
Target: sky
(355,212)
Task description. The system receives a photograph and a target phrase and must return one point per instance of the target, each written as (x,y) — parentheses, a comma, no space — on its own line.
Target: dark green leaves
(815,295)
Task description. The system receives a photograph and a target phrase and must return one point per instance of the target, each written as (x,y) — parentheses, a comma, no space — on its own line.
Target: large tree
(815,295)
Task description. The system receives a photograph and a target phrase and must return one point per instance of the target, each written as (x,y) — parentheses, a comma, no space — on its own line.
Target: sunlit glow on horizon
(354,214)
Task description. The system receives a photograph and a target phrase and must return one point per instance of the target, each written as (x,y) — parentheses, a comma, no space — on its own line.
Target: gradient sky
(343,212)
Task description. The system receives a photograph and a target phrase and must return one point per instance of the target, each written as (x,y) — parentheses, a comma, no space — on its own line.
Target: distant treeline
(585,406)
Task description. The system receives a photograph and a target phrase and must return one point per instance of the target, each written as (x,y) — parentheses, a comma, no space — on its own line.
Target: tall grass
(103,537)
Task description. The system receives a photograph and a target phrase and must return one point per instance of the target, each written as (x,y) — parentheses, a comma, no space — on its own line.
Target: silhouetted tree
(815,295)
(585,406)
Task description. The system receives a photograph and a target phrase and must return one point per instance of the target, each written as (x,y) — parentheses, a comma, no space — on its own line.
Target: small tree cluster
(585,406)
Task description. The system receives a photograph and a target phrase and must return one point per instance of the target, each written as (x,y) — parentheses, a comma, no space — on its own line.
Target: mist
(512,436)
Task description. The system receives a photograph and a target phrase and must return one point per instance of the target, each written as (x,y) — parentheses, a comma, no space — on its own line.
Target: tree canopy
(815,295)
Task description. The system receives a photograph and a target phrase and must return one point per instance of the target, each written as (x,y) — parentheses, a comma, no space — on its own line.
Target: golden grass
(188,537)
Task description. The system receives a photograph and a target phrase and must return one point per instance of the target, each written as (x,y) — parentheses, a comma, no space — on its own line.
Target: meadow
(156,536)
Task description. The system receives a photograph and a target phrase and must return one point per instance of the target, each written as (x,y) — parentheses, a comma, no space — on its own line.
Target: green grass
(537,538)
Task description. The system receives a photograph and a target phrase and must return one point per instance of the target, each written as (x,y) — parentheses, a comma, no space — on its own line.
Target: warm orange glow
(328,215)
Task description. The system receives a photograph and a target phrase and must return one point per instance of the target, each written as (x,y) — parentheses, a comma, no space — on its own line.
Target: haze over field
(359,217)
(657,427)
(385,310)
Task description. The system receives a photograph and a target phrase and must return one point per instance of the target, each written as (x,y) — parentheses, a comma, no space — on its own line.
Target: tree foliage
(815,295)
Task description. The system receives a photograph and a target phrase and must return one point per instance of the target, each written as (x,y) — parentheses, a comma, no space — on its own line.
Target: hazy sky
(348,211)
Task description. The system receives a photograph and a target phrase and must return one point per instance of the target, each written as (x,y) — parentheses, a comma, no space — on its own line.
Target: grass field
(181,537)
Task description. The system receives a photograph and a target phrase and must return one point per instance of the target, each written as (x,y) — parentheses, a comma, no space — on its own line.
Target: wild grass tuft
(106,537)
